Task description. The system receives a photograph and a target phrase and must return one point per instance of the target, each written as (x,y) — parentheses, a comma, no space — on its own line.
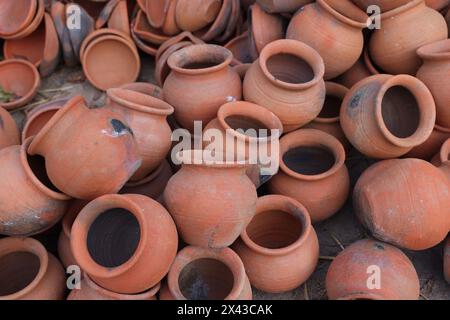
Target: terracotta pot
(92,291)
(9,133)
(20,78)
(233,22)
(101,33)
(442,159)
(147,118)
(29,272)
(121,246)
(404,202)
(328,119)
(207,274)
(362,69)
(212,214)
(435,72)
(77,35)
(109,154)
(410,27)
(200,82)
(36,205)
(16,16)
(282,6)
(119,18)
(385,5)
(170,26)
(437,4)
(386,116)
(156,12)
(148,48)
(279,248)
(287,79)
(193,15)
(58,13)
(219,26)
(312,172)
(33,25)
(447,260)
(146,32)
(430,147)
(239,47)
(145,88)
(350,272)
(334,29)
(105,13)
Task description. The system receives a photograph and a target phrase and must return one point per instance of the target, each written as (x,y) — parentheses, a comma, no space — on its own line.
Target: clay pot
(146,32)
(21,79)
(37,205)
(349,274)
(207,274)
(435,73)
(90,291)
(170,26)
(212,214)
(219,26)
(233,23)
(239,47)
(334,29)
(404,202)
(147,118)
(86,27)
(437,4)
(282,6)
(287,79)
(410,27)
(443,155)
(447,260)
(279,248)
(362,69)
(430,147)
(9,133)
(156,12)
(124,243)
(33,25)
(200,82)
(312,172)
(105,13)
(328,119)
(103,145)
(119,18)
(193,15)
(16,16)
(145,88)
(29,272)
(386,116)
(385,5)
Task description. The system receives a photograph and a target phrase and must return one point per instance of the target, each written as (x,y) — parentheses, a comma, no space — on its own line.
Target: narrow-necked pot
(282,6)
(9,133)
(194,15)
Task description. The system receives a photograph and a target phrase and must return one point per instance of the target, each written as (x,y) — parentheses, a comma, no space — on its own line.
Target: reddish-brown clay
(29,272)
(9,133)
(437,4)
(101,142)
(447,260)
(239,47)
(119,19)
(430,147)
(347,277)
(16,15)
(156,12)
(193,15)
(146,32)
(312,171)
(287,79)
(282,6)
(200,82)
(170,26)
(385,116)
(31,27)
(145,88)
(443,155)
(211,200)
(447,19)
(125,243)
(362,69)
(385,5)
(219,26)
(279,248)
(207,274)
(404,202)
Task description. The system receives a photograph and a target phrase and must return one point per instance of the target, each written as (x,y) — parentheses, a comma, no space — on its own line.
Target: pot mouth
(436,51)
(211,159)
(122,223)
(300,151)
(415,101)
(346,12)
(281,225)
(195,273)
(17,253)
(200,59)
(50,110)
(333,100)
(306,67)
(405,7)
(444,154)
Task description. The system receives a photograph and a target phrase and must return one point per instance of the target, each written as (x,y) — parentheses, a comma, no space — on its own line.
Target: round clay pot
(147,118)
(121,246)
(33,25)
(385,116)
(334,29)
(37,205)
(207,274)
(385,5)
(200,82)
(193,15)
(328,119)
(447,260)
(435,73)
(103,145)
(404,202)
(409,27)
(29,272)
(21,78)
(312,172)
(16,15)
(437,5)
(287,79)
(9,133)
(430,147)
(362,69)
(349,273)
(279,248)
(211,214)
(282,6)
(90,291)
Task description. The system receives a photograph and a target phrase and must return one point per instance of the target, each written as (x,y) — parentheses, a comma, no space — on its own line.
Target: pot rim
(32,8)
(9,245)
(70,216)
(441,129)
(326,141)
(444,153)
(81,227)
(405,7)
(343,18)
(436,51)
(32,26)
(424,100)
(99,33)
(335,90)
(203,158)
(299,50)
(286,205)
(191,253)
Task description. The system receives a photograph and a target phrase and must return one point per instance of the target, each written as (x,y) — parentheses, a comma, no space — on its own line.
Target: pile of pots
(144,217)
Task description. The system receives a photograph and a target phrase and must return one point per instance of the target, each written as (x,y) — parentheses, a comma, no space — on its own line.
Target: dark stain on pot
(378,246)
(120,128)
(354,103)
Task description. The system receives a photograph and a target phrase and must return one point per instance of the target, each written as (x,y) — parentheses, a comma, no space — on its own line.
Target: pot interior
(290,68)
(400,112)
(203,62)
(206,279)
(17,271)
(37,165)
(39,122)
(251,127)
(331,107)
(113,237)
(309,160)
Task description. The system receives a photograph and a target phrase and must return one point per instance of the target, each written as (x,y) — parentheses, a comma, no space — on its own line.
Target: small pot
(119,19)
(16,16)
(122,247)
(194,15)
(443,155)
(29,272)
(279,248)
(430,147)
(282,6)
(9,133)
(31,27)
(351,272)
